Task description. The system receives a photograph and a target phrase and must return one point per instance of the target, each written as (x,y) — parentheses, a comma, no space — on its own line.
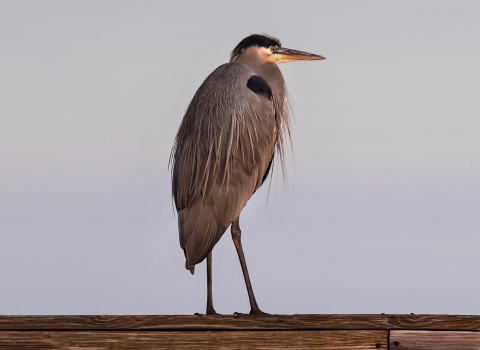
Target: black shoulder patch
(259,86)
(268,169)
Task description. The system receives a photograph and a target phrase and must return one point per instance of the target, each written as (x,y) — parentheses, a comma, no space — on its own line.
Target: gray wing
(223,149)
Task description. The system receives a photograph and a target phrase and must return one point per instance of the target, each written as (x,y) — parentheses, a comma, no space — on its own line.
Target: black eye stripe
(261,40)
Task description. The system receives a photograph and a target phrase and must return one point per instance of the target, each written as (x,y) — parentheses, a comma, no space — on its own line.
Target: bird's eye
(272,48)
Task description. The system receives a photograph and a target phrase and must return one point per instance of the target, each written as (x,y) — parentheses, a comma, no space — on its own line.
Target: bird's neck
(269,71)
(257,61)
(272,75)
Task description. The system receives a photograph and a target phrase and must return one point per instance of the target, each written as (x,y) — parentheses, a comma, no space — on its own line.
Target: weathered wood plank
(434,340)
(243,322)
(339,340)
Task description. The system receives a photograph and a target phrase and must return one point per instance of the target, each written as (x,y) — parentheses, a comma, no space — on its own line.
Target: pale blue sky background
(382,211)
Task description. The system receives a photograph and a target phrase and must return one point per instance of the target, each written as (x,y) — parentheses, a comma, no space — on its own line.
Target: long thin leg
(236,236)
(210,309)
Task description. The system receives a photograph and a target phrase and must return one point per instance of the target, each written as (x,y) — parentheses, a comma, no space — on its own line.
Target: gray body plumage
(223,150)
(235,125)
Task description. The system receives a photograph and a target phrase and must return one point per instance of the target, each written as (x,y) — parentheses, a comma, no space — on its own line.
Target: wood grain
(434,340)
(243,322)
(341,340)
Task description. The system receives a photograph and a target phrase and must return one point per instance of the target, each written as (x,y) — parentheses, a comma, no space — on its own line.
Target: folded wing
(222,154)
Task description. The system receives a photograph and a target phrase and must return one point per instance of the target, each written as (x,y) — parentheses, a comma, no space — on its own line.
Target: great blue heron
(224,149)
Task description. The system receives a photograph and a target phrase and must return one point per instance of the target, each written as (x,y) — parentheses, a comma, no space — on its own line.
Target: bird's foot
(211,311)
(257,311)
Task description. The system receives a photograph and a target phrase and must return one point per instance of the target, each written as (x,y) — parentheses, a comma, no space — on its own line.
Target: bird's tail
(190,267)
(199,232)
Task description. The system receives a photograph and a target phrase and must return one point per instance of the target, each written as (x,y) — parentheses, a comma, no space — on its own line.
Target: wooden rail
(399,332)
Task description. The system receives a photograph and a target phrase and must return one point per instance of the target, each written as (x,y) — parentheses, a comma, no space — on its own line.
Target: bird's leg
(210,309)
(236,236)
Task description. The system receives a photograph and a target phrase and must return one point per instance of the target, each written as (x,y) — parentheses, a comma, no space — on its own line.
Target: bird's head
(267,49)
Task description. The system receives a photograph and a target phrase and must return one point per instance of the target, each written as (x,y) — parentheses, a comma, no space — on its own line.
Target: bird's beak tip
(319,58)
(283,55)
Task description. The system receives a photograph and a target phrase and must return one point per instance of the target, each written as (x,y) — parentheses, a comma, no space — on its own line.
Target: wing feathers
(222,152)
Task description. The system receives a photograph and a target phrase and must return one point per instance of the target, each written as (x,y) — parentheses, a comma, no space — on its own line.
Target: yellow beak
(284,55)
